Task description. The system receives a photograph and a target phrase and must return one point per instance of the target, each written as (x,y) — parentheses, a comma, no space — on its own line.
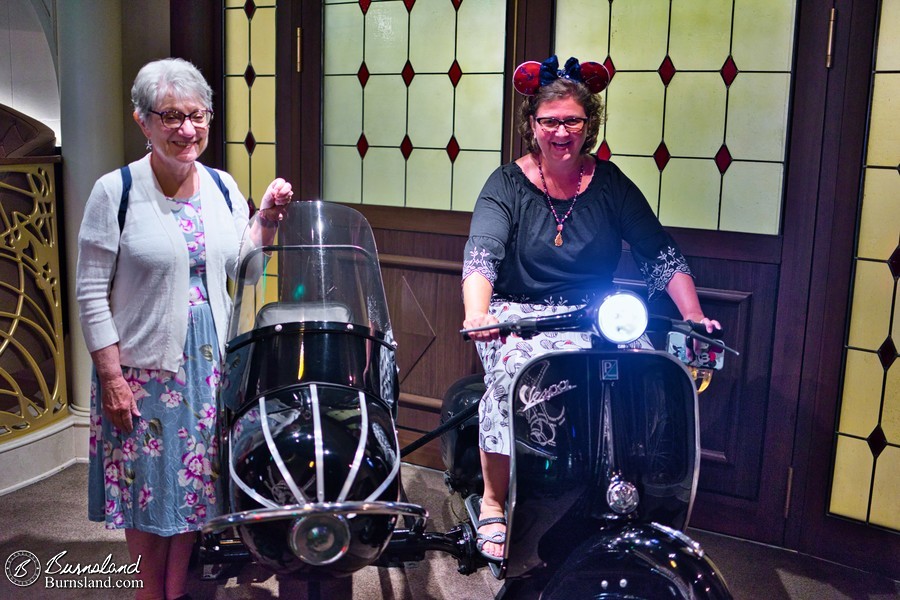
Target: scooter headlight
(622,317)
(320,539)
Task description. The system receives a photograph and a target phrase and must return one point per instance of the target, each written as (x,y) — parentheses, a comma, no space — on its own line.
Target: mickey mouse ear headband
(531,75)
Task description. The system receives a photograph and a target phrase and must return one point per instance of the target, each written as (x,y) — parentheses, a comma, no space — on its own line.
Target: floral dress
(163,477)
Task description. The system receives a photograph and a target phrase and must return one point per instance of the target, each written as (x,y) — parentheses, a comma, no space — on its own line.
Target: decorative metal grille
(32,366)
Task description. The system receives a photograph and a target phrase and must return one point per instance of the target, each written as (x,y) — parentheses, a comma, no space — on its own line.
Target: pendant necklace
(558,241)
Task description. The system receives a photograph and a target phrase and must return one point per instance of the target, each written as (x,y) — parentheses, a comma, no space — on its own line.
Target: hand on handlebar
(711,326)
(480,320)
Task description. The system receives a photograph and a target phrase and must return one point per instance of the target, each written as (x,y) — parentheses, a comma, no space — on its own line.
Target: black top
(511,239)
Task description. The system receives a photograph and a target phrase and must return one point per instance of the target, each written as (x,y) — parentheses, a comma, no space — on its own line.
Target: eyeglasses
(572,124)
(174,119)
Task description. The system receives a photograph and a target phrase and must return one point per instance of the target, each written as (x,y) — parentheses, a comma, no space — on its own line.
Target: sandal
(496,537)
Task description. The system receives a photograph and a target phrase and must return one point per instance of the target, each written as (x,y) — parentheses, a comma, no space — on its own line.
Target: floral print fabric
(162,478)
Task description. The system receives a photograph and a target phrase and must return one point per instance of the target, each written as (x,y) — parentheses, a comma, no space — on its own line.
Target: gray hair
(168,75)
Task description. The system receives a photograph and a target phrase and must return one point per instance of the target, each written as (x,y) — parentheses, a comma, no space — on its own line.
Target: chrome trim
(244,487)
(360,448)
(317,430)
(276,455)
(265,515)
(393,474)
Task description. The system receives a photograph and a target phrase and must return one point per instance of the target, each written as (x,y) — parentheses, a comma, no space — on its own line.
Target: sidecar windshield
(308,262)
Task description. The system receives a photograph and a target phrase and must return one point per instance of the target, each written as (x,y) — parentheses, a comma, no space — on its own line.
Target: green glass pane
(262,41)
(763,38)
(582,30)
(384,177)
(343,39)
(645,175)
(757,116)
(237,163)
(700,34)
(262,109)
(237,46)
(634,113)
(237,117)
(470,171)
(886,490)
(481,36)
(751,198)
(432,33)
(234,3)
(884,128)
(861,400)
(386,37)
(888,51)
(852,478)
(639,34)
(262,170)
(873,291)
(890,414)
(384,121)
(880,209)
(342,109)
(479,104)
(689,194)
(431,111)
(342,172)
(428,179)
(695,114)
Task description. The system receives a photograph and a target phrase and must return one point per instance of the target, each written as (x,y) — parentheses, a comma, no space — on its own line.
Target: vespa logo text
(531,396)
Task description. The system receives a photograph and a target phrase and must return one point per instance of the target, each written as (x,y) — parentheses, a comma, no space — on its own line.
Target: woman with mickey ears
(545,238)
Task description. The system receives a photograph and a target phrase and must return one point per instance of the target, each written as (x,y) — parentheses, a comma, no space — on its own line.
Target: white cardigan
(146,311)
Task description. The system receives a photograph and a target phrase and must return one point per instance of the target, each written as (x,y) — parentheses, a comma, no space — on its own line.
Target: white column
(93,101)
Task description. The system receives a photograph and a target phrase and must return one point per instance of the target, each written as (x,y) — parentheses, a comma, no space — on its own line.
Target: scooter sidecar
(309,455)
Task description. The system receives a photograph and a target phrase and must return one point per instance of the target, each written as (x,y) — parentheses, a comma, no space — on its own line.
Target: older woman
(546,236)
(156,246)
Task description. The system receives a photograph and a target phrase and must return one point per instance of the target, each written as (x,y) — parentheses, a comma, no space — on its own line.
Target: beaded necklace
(558,241)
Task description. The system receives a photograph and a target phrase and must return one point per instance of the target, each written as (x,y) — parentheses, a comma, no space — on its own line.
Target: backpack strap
(123,202)
(221,184)
(126,188)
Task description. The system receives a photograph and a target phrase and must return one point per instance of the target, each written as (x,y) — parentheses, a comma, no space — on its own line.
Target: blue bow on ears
(531,75)
(550,70)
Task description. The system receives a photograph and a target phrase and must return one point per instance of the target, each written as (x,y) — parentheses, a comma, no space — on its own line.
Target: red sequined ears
(595,76)
(531,75)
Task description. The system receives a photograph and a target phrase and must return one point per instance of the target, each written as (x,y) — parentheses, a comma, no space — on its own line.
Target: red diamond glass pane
(729,71)
(894,263)
(250,143)
(364,5)
(408,73)
(362,74)
(723,159)
(877,441)
(406,147)
(887,353)
(249,8)
(454,73)
(603,152)
(362,145)
(661,156)
(666,70)
(250,75)
(452,149)
(456,3)
(409,4)
(608,63)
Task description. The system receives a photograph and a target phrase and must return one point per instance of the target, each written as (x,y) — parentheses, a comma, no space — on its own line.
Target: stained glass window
(698,103)
(413,96)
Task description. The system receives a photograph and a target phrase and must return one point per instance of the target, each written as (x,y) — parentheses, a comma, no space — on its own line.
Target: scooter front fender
(636,561)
